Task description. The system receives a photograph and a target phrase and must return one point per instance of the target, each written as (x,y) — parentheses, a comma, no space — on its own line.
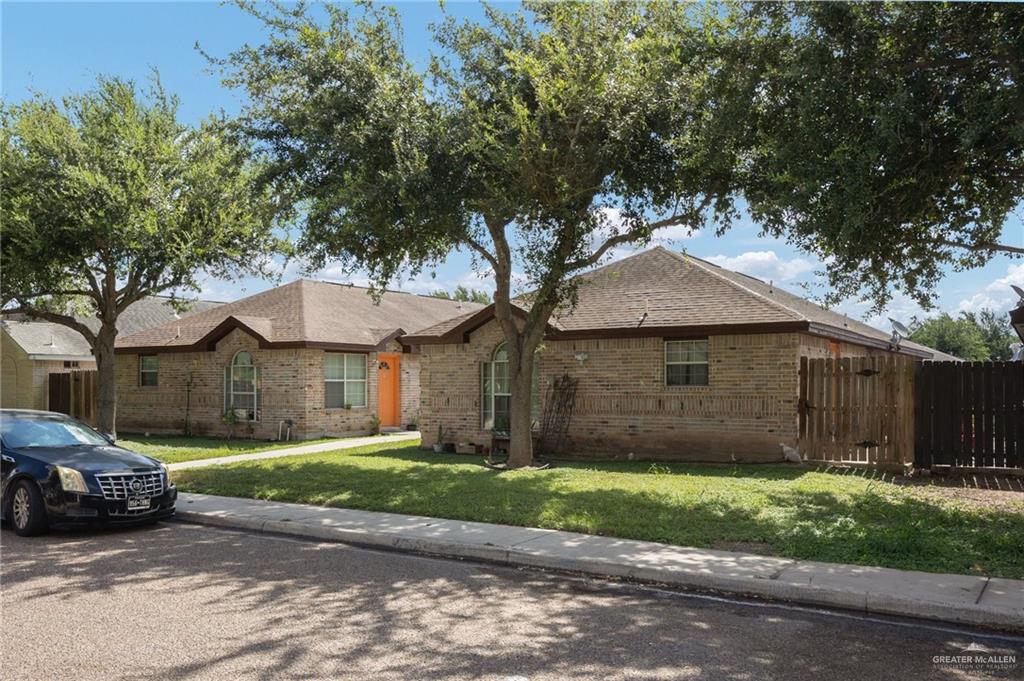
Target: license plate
(136,503)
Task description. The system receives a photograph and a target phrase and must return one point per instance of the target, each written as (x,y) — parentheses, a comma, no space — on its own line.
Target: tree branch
(483,252)
(983,246)
(626,237)
(62,319)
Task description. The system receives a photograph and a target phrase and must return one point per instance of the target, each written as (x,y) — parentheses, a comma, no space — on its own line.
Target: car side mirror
(109,438)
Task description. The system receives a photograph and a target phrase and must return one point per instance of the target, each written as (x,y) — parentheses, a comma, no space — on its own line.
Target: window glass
(148,365)
(334,394)
(47,431)
(355,367)
(344,380)
(334,367)
(686,362)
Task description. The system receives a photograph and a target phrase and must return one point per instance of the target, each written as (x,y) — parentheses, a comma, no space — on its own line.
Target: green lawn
(175,448)
(779,510)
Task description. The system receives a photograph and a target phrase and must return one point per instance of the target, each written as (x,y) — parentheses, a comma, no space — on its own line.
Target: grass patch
(176,448)
(786,511)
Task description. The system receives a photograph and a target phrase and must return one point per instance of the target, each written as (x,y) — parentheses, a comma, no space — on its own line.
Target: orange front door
(388,391)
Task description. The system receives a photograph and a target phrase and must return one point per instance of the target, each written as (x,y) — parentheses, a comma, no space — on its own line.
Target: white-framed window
(241,387)
(344,380)
(686,362)
(496,392)
(496,389)
(148,370)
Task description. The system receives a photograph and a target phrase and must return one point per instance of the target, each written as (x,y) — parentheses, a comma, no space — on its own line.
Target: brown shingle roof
(678,293)
(302,313)
(40,338)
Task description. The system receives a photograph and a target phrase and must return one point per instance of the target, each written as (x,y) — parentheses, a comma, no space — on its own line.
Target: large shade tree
(538,140)
(887,138)
(108,198)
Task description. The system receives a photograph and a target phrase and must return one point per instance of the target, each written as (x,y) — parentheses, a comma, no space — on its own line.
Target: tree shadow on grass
(881,526)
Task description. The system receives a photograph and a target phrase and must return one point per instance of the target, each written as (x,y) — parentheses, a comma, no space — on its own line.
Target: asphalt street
(179,601)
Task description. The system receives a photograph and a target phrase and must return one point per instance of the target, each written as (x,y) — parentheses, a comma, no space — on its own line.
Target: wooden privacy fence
(857,410)
(74,393)
(970,414)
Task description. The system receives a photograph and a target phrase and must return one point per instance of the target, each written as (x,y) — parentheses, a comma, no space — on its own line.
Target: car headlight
(167,473)
(71,480)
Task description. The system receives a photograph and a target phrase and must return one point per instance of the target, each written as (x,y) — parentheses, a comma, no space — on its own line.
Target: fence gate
(857,410)
(970,414)
(74,393)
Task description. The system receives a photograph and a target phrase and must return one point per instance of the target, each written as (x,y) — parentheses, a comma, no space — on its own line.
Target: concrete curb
(963,599)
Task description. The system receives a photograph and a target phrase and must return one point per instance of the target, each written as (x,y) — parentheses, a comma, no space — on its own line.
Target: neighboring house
(675,358)
(31,350)
(313,358)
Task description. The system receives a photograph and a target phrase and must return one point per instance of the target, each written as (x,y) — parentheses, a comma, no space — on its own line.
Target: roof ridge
(707,267)
(387,290)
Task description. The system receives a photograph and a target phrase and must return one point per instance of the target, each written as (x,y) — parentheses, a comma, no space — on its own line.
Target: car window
(20,431)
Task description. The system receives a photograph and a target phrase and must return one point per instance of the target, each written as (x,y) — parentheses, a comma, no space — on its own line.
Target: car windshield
(46,431)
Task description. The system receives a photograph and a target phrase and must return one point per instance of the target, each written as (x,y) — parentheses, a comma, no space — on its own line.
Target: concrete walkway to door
(298,450)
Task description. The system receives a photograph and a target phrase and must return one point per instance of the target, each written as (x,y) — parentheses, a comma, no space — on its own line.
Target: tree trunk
(520,366)
(107,378)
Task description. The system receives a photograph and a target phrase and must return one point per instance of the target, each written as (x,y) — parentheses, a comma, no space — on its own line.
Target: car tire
(27,511)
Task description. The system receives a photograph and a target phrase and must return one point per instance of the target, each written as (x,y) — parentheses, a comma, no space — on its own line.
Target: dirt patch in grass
(979,491)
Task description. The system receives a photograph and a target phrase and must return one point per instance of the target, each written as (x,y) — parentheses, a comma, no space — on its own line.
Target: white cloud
(902,308)
(765,265)
(998,295)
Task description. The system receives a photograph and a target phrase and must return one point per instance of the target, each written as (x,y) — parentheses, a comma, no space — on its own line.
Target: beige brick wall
(623,406)
(23,381)
(292,387)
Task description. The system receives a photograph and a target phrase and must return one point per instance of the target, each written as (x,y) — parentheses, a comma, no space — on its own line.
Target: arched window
(241,387)
(496,391)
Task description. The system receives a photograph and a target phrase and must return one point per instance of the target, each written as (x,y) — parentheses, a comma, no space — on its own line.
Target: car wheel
(28,514)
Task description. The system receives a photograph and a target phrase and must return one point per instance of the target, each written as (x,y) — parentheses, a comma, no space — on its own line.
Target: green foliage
(531,123)
(975,336)
(997,331)
(887,138)
(784,510)
(108,198)
(466,295)
(960,337)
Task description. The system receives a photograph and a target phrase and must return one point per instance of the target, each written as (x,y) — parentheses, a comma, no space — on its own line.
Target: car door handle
(8,459)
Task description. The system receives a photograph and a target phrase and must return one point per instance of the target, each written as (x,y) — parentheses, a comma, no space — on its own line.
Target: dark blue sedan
(58,471)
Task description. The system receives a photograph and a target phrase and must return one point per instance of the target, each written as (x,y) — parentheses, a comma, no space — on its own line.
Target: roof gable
(661,292)
(302,313)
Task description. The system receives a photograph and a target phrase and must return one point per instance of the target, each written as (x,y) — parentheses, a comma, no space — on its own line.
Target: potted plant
(374,424)
(414,423)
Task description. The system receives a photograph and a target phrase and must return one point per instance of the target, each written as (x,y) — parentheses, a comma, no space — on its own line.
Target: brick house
(675,357)
(32,349)
(315,358)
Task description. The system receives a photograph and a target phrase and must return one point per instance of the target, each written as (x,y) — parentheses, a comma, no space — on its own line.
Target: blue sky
(58,48)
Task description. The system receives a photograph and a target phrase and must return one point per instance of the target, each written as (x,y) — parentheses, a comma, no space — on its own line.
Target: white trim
(62,358)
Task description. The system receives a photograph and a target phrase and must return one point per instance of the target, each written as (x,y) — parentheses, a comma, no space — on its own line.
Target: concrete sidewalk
(983,601)
(298,450)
